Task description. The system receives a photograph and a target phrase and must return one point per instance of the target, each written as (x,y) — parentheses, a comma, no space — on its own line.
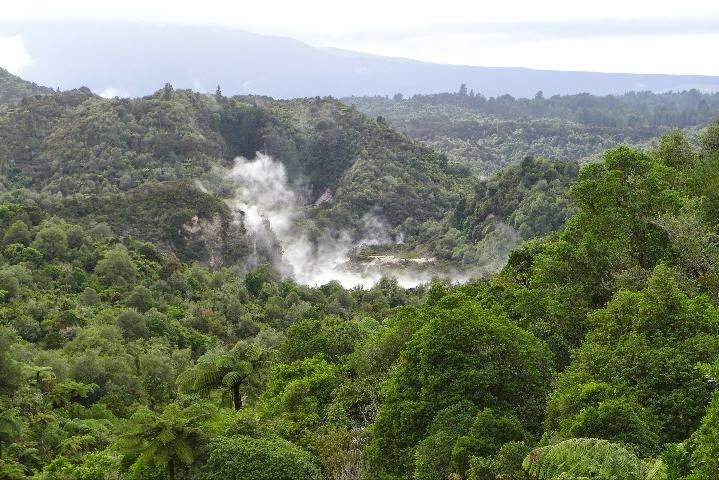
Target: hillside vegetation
(593,354)
(13,88)
(146,334)
(487,134)
(82,156)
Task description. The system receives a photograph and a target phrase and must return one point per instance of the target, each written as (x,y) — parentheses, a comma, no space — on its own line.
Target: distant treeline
(633,109)
(486,134)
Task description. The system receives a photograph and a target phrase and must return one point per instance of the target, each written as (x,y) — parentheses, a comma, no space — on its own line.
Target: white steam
(112,92)
(269,207)
(263,195)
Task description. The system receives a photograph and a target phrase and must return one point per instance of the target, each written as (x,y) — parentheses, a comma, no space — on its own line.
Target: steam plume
(269,209)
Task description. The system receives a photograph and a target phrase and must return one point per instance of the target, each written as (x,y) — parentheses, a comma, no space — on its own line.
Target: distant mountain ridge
(131,60)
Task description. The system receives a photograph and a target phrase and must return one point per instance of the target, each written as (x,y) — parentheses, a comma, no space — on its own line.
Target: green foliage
(297,396)
(9,285)
(521,202)
(332,337)
(433,457)
(17,233)
(96,466)
(674,150)
(375,356)
(11,470)
(256,279)
(646,344)
(488,433)
(13,89)
(10,428)
(140,299)
(247,458)
(130,312)
(506,463)
(116,269)
(464,352)
(66,392)
(487,134)
(167,440)
(134,164)
(240,368)
(75,363)
(460,435)
(132,324)
(530,196)
(10,371)
(703,457)
(162,213)
(51,242)
(614,231)
(697,458)
(596,410)
(710,138)
(586,458)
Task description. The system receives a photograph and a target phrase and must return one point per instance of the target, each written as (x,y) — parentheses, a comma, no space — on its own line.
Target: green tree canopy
(464,352)
(167,440)
(10,428)
(247,458)
(51,241)
(242,367)
(116,268)
(646,344)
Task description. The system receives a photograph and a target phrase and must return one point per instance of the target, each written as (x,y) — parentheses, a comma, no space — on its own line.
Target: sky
(635,36)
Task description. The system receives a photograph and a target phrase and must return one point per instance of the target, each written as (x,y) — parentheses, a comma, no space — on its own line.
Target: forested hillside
(521,202)
(487,134)
(13,88)
(149,329)
(593,354)
(130,162)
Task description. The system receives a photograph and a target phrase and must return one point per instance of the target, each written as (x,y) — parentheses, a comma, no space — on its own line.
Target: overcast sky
(638,36)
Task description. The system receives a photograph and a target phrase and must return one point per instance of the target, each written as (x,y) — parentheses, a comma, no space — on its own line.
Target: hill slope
(174,152)
(13,88)
(489,133)
(593,354)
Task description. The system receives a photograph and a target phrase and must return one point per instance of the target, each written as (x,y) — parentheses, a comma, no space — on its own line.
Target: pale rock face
(209,232)
(192,226)
(326,197)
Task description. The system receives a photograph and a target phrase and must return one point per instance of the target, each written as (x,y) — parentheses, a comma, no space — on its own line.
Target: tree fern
(231,369)
(588,458)
(167,439)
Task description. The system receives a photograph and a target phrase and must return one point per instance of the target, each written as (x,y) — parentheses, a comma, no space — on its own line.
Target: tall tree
(241,366)
(463,353)
(166,440)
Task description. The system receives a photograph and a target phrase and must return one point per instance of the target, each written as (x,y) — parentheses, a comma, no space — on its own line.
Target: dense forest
(144,334)
(128,162)
(487,134)
(143,166)
(523,201)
